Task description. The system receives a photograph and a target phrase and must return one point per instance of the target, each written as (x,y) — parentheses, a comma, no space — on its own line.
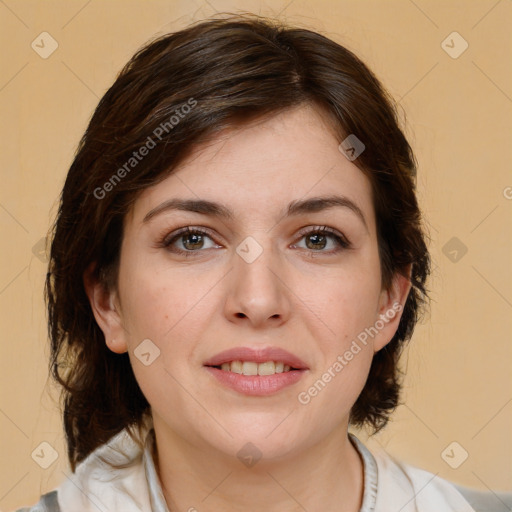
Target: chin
(266,438)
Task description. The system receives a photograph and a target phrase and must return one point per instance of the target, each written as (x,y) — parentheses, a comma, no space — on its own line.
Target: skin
(304,294)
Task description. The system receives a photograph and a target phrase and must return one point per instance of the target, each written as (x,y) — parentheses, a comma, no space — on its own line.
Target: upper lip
(257,355)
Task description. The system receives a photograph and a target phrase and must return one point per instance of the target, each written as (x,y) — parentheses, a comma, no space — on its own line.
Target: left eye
(321,240)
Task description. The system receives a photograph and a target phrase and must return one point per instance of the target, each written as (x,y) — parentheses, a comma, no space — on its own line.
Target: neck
(325,476)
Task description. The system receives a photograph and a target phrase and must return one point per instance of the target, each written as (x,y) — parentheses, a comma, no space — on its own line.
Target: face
(260,248)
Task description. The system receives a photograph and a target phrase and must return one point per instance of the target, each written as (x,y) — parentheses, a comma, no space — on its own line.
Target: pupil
(193,241)
(318,241)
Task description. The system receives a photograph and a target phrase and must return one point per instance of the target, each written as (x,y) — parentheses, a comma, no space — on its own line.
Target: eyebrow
(299,207)
(317,204)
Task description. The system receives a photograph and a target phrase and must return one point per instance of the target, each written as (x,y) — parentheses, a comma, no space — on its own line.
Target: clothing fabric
(120,476)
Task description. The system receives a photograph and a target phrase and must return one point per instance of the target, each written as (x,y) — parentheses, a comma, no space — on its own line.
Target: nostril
(240,315)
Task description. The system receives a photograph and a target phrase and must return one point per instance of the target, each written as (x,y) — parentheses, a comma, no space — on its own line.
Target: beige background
(459,383)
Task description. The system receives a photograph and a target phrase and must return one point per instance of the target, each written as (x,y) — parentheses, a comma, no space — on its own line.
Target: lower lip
(256,385)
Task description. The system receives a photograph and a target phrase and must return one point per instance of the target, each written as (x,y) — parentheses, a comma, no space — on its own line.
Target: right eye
(189,240)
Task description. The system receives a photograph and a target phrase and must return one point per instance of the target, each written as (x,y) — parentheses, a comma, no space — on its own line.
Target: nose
(257,295)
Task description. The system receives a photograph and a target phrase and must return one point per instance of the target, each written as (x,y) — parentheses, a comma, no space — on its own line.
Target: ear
(106,310)
(391,306)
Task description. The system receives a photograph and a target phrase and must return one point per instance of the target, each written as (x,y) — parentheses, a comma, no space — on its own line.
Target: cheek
(347,304)
(163,305)
(349,307)
(343,366)
(171,311)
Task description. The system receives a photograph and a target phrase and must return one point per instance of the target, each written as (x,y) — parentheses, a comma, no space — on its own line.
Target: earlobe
(106,311)
(117,346)
(391,306)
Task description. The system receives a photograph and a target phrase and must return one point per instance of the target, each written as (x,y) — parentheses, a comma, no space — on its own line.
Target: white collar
(121,476)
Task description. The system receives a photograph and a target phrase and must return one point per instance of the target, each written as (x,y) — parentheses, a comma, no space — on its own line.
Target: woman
(237,263)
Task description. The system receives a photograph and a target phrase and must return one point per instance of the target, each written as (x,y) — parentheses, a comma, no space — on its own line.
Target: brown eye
(189,240)
(316,241)
(192,241)
(323,240)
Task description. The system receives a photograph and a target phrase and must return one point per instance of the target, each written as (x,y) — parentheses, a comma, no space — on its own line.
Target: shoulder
(487,501)
(111,478)
(47,503)
(416,489)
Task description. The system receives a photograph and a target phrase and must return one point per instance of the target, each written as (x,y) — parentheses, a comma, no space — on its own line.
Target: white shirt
(121,476)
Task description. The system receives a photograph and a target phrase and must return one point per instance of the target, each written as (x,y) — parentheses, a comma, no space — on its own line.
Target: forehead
(259,167)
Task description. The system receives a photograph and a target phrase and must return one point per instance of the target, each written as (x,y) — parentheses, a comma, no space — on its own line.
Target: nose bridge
(256,292)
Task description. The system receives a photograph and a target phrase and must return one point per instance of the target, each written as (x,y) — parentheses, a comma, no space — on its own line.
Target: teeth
(252,368)
(268,368)
(236,366)
(249,368)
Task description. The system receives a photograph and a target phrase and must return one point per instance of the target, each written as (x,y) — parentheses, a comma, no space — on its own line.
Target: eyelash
(169,239)
(339,239)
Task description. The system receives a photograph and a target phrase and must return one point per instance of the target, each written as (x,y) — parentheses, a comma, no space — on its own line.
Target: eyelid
(170,237)
(324,230)
(318,227)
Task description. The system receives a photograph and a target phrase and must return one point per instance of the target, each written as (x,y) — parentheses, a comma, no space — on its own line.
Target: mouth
(256,372)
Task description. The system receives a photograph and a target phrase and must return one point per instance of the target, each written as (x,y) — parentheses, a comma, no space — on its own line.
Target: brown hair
(230,71)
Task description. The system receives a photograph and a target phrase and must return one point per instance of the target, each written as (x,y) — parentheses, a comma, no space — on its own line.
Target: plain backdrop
(458,106)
